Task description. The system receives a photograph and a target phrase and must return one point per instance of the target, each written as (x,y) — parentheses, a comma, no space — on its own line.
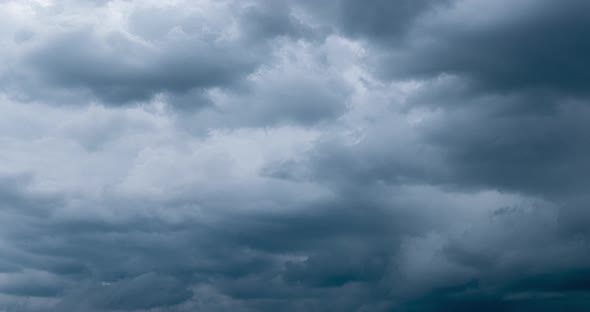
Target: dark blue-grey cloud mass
(412,156)
(527,46)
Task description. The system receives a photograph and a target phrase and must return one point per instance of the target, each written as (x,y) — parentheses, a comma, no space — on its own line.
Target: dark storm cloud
(510,116)
(377,20)
(444,168)
(176,55)
(530,45)
(171,54)
(511,87)
(88,268)
(125,294)
(269,19)
(534,152)
(382,19)
(119,71)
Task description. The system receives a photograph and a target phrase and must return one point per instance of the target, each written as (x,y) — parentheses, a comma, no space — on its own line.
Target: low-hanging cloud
(294,156)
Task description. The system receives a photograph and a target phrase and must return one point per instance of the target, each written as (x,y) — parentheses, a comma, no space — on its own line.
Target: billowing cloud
(294,156)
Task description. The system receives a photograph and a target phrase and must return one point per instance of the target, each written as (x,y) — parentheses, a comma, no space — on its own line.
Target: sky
(294,155)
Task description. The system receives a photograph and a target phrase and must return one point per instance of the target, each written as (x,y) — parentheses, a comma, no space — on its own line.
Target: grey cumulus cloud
(412,156)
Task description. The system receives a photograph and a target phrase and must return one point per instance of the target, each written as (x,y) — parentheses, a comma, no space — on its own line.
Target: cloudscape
(294,155)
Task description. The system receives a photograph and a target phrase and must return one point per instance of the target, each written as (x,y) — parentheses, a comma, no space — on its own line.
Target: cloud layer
(259,155)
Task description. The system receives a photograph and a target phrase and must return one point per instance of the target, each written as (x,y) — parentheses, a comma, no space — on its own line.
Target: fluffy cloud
(294,156)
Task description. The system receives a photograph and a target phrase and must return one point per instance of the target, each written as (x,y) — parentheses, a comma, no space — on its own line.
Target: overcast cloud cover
(294,155)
